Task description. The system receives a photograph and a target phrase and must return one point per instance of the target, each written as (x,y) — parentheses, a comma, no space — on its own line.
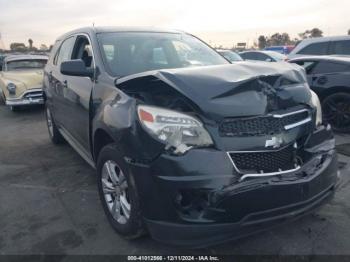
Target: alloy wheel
(336,111)
(115,190)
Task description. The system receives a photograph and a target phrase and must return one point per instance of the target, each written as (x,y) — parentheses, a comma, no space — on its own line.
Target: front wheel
(118,194)
(336,111)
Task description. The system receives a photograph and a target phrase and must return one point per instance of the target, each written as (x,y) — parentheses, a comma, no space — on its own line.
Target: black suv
(188,147)
(329,78)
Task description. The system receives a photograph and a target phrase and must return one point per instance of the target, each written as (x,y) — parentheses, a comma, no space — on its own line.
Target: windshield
(231,56)
(26,64)
(128,53)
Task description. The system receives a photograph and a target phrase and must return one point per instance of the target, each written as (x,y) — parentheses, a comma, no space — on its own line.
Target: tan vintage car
(21,80)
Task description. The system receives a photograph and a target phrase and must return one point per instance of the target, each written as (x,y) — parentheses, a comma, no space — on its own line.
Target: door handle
(65,84)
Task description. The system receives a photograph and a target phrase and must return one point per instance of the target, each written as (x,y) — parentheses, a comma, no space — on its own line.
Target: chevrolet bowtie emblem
(274,142)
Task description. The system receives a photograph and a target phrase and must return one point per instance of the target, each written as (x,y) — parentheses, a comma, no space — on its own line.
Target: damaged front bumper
(200,199)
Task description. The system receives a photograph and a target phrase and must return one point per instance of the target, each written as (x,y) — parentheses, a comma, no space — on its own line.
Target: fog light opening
(192,202)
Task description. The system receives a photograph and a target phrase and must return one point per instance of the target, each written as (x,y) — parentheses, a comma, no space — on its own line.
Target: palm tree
(30,41)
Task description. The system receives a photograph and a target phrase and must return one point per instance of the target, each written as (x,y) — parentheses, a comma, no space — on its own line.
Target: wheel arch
(101,139)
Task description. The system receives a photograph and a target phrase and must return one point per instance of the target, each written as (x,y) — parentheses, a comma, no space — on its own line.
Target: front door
(77,94)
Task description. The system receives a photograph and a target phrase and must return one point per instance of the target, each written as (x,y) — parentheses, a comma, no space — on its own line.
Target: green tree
(18,47)
(315,32)
(279,39)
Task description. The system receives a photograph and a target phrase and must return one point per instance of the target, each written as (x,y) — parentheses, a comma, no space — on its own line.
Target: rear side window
(325,67)
(315,49)
(65,51)
(263,57)
(249,56)
(341,47)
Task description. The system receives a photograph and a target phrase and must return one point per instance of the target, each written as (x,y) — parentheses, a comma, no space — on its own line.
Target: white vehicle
(335,45)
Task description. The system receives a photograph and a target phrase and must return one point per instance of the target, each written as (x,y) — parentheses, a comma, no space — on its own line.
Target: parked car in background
(194,153)
(284,49)
(329,77)
(21,80)
(334,45)
(266,56)
(230,55)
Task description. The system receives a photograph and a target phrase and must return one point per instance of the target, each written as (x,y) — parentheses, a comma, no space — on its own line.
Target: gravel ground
(49,205)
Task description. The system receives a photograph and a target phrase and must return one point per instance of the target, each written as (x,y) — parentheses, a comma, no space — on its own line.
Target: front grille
(34,95)
(264,162)
(263,125)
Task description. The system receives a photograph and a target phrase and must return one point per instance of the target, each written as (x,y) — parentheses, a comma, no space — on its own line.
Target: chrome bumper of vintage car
(30,97)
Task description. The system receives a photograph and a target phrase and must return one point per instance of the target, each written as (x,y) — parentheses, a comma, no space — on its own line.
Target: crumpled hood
(240,89)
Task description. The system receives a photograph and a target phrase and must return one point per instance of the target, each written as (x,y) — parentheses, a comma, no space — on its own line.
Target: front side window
(65,51)
(26,64)
(249,56)
(315,49)
(127,53)
(83,51)
(263,57)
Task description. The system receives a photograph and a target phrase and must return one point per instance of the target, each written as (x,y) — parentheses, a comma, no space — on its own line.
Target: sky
(220,22)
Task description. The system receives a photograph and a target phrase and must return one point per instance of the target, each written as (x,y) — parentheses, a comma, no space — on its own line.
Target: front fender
(118,118)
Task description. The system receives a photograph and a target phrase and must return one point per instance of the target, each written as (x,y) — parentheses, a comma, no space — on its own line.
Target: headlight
(176,130)
(315,101)
(11,87)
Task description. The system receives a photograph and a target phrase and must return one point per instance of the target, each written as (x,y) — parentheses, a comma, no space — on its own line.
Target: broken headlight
(315,102)
(177,130)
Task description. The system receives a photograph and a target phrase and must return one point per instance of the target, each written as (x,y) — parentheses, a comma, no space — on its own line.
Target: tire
(54,133)
(336,111)
(124,219)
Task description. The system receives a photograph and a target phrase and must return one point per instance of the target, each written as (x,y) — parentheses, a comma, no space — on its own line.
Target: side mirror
(76,68)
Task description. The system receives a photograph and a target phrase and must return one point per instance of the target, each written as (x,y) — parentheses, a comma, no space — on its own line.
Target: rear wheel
(54,134)
(336,111)
(118,194)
